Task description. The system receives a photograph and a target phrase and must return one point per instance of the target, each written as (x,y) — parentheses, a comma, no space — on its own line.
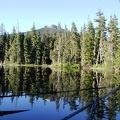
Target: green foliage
(98,45)
(66,67)
(87,45)
(100,38)
(74,44)
(117,56)
(112,43)
(28,49)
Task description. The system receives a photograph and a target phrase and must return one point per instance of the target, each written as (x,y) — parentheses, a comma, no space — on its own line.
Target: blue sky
(47,12)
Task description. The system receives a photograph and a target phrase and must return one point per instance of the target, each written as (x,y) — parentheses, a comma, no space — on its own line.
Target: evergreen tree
(112,41)
(13,52)
(57,51)
(74,44)
(19,43)
(2,42)
(22,37)
(90,43)
(46,42)
(66,44)
(82,43)
(117,54)
(13,47)
(53,53)
(38,49)
(100,39)
(59,45)
(7,47)
(87,45)
(28,49)
(33,35)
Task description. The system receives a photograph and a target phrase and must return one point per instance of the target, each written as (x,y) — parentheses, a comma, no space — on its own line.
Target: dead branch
(90,104)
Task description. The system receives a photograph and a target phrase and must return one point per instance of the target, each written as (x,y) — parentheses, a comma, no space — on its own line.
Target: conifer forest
(95,43)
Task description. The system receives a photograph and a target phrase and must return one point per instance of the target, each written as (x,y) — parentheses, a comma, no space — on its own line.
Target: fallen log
(93,108)
(2,113)
(51,92)
(90,104)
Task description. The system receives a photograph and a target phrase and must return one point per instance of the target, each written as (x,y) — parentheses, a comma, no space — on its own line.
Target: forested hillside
(96,43)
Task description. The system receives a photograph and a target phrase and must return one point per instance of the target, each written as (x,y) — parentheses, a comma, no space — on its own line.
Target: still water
(35,93)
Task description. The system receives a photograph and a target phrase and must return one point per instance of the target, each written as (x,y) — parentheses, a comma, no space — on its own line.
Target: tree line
(91,46)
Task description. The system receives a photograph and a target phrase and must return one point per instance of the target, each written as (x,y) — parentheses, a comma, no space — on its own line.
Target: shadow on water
(74,89)
(2,113)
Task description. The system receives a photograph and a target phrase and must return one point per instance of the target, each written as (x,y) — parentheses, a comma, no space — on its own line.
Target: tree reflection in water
(74,89)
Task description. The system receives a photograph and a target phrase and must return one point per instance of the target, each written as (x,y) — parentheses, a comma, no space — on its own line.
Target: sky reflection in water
(41,109)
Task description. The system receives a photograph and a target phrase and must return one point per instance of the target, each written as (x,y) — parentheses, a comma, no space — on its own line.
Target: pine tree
(7,47)
(90,43)
(57,50)
(38,49)
(2,42)
(46,41)
(82,43)
(65,47)
(100,39)
(13,52)
(74,44)
(19,45)
(112,41)
(117,56)
(22,37)
(59,44)
(28,49)
(33,35)
(53,53)
(87,45)
(13,47)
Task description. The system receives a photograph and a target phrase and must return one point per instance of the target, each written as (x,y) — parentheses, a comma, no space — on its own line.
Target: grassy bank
(65,67)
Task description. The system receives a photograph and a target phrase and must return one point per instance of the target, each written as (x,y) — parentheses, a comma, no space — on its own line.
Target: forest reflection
(75,89)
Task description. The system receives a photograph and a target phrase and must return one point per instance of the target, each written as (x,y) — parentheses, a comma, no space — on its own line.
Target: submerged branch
(90,104)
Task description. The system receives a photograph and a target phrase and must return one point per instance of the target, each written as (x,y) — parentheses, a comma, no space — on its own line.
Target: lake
(35,93)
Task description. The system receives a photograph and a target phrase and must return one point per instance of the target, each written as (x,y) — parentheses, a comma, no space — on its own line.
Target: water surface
(28,93)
